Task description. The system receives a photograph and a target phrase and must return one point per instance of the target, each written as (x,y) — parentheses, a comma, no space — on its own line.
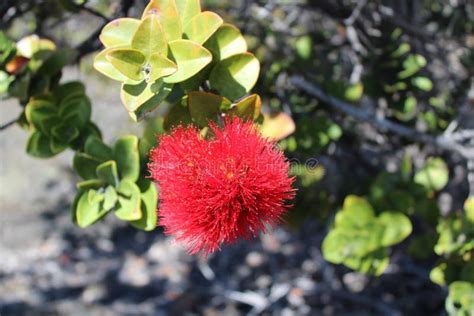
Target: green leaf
(205,106)
(190,58)
(422,83)
(76,111)
(127,61)
(235,76)
(94,196)
(167,12)
(110,198)
(56,61)
(356,212)
(144,97)
(248,108)
(460,300)
(469,209)
(127,156)
(69,90)
(105,67)
(397,228)
(201,27)
(89,184)
(188,9)
(304,47)
(374,263)
(39,146)
(411,65)
(88,213)
(108,173)
(150,38)
(149,196)
(40,113)
(160,66)
(434,175)
(119,32)
(177,115)
(128,207)
(85,165)
(96,148)
(227,41)
(65,132)
(354,92)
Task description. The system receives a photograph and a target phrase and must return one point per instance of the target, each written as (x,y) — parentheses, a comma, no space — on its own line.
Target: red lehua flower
(216,190)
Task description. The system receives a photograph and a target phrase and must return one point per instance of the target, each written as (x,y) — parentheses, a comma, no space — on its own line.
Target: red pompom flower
(218,189)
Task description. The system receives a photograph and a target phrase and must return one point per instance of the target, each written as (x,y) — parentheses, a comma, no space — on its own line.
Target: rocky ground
(50,267)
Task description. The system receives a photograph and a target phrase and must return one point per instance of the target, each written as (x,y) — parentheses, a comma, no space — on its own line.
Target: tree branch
(445,142)
(8,124)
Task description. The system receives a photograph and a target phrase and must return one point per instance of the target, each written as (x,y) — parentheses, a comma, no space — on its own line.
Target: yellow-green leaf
(205,106)
(201,27)
(129,62)
(105,67)
(160,66)
(149,37)
(128,207)
(248,108)
(167,12)
(190,58)
(227,41)
(235,76)
(188,9)
(119,32)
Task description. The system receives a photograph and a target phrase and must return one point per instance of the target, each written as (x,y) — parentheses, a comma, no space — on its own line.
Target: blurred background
(341,70)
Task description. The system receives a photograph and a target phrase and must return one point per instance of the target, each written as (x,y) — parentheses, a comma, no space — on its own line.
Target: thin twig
(444,142)
(8,124)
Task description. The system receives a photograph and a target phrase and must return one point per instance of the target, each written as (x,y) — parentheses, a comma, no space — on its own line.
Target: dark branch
(445,142)
(8,124)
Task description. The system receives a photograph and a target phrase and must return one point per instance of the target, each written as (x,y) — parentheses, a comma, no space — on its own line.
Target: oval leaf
(127,156)
(227,41)
(248,108)
(105,67)
(88,213)
(144,97)
(188,9)
(235,76)
(128,207)
(149,196)
(160,66)
(190,58)
(129,62)
(119,32)
(201,27)
(167,12)
(149,37)
(205,106)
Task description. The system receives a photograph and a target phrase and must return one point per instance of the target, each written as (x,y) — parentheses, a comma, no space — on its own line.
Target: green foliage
(174,46)
(460,301)
(434,175)
(30,68)
(360,239)
(58,120)
(113,182)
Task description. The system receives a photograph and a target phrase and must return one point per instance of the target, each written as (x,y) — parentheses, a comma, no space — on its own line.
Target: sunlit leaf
(190,58)
(235,76)
(201,27)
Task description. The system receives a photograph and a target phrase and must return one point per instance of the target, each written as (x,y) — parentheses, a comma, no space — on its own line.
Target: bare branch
(8,124)
(445,142)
